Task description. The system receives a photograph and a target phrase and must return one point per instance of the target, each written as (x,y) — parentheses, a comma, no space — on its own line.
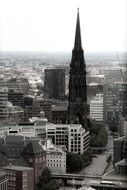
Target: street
(99,163)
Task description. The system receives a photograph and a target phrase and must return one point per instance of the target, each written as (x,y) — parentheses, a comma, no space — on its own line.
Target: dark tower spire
(77,101)
(78,44)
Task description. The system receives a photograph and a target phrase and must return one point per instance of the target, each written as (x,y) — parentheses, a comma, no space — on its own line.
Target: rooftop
(121,163)
(17,168)
(59,108)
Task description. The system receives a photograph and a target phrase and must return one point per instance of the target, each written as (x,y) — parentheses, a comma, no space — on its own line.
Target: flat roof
(17,168)
(59,107)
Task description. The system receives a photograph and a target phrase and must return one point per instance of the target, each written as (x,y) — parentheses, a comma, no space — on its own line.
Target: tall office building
(77,101)
(19,85)
(115,102)
(113,75)
(96,108)
(3,103)
(54,83)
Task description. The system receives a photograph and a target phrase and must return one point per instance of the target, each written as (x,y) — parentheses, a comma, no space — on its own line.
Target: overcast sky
(49,25)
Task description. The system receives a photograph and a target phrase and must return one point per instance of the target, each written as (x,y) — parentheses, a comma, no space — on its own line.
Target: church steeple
(78,43)
(77,100)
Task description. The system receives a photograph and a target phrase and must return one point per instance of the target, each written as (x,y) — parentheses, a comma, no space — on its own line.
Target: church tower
(77,100)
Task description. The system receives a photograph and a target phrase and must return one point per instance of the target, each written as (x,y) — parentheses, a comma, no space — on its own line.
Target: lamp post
(73,182)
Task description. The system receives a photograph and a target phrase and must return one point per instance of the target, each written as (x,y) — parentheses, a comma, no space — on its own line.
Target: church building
(77,100)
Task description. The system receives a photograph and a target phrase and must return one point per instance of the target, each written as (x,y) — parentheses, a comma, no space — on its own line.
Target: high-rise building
(54,83)
(3,103)
(115,102)
(96,107)
(114,97)
(18,85)
(77,101)
(113,75)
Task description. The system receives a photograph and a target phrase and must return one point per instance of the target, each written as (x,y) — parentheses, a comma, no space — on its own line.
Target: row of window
(56,161)
(56,165)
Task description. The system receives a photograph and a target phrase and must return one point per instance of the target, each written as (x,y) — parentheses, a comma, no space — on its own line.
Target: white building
(96,108)
(55,158)
(72,136)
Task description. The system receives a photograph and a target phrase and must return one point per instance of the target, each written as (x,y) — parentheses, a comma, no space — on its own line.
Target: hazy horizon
(49,26)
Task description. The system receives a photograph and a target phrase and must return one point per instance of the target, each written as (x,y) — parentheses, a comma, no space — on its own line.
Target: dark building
(115,103)
(54,83)
(16,98)
(59,114)
(3,181)
(120,154)
(25,152)
(18,85)
(19,178)
(77,101)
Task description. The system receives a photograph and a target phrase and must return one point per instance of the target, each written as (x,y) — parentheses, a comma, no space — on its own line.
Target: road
(99,163)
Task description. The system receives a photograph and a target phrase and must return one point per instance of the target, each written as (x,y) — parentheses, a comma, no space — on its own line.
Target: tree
(46,182)
(98,134)
(113,128)
(74,162)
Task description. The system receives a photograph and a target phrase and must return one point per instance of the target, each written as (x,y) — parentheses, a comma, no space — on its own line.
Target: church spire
(77,99)
(78,43)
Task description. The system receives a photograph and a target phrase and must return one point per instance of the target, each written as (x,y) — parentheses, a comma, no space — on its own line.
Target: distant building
(46,106)
(54,83)
(16,98)
(96,108)
(39,105)
(120,155)
(119,147)
(93,89)
(115,102)
(20,85)
(15,113)
(113,75)
(19,178)
(122,129)
(3,181)
(3,103)
(59,114)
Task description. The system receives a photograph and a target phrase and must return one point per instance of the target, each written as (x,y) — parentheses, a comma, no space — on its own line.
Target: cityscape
(63,118)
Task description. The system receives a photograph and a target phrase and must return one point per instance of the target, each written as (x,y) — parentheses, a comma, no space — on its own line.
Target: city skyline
(50,25)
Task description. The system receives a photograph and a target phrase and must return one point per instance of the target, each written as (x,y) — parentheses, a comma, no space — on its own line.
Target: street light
(73,182)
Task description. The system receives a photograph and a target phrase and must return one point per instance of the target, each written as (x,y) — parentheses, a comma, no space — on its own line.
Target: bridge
(94,181)
(73,176)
